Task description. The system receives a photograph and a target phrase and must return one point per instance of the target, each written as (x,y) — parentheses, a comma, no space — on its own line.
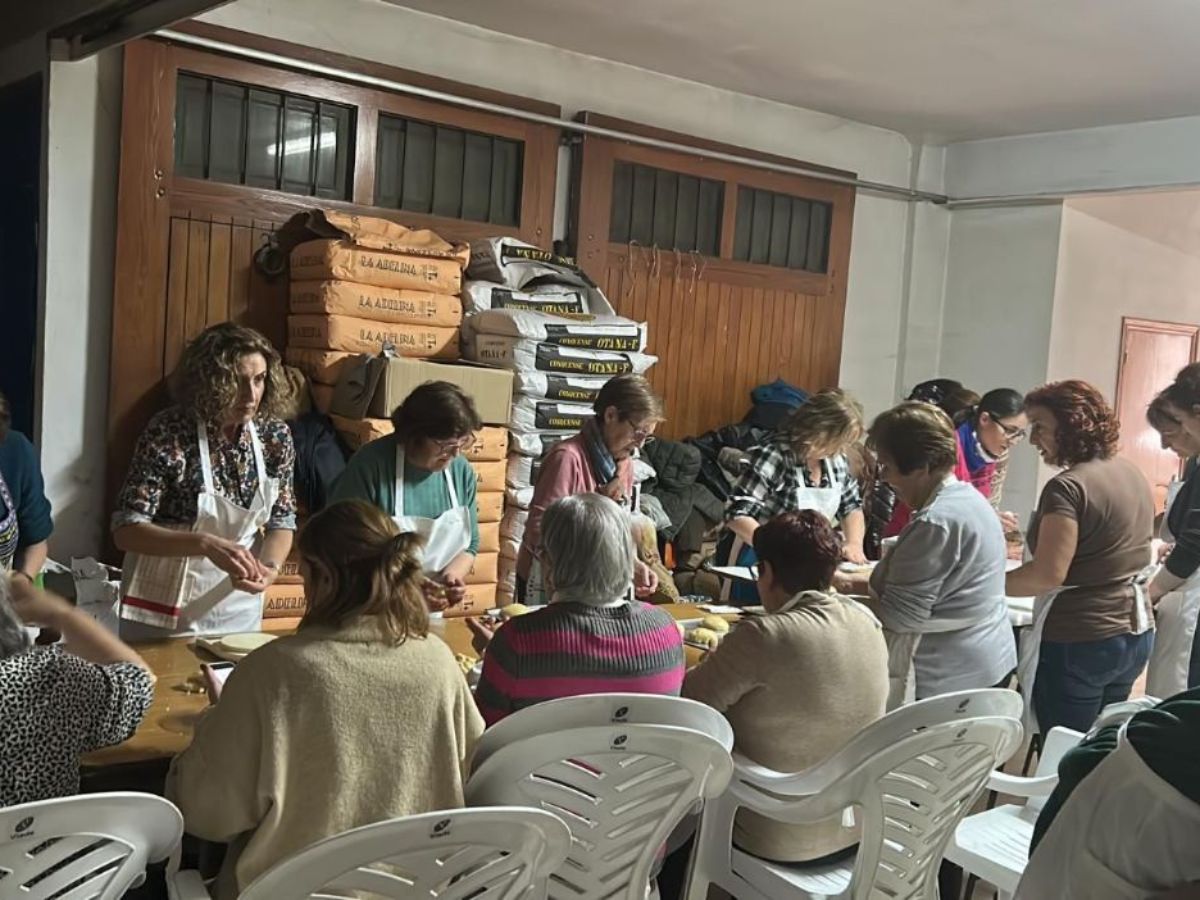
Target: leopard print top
(54,707)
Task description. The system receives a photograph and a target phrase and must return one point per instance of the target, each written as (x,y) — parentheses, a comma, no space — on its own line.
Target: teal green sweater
(371,475)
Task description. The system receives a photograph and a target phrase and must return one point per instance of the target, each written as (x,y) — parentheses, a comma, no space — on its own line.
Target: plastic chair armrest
(187,885)
(810,781)
(1017,786)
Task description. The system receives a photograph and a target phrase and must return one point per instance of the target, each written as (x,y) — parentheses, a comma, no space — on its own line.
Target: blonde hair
(205,382)
(362,565)
(916,435)
(829,420)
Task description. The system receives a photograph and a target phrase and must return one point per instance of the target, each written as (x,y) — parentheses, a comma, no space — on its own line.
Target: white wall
(385,33)
(1121,256)
(1000,284)
(84,133)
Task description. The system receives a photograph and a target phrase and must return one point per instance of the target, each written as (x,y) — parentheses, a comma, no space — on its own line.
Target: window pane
(798,235)
(664,209)
(446,171)
(666,189)
(708,217)
(818,238)
(760,227)
(622,200)
(241,134)
(687,204)
(781,230)
(744,220)
(642,215)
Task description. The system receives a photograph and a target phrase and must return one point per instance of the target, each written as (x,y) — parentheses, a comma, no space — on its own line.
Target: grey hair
(14,638)
(588,549)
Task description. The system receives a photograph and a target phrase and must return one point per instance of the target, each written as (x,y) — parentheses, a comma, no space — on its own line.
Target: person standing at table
(1175,590)
(803,467)
(419,477)
(597,460)
(1090,538)
(25,524)
(208,475)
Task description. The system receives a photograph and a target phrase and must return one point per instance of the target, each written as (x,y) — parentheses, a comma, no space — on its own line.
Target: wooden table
(180,698)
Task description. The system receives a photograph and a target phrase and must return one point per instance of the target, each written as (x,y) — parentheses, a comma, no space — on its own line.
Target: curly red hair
(1087,426)
(802,548)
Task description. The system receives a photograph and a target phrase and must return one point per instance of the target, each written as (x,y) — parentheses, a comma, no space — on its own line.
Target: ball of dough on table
(715,623)
(705,636)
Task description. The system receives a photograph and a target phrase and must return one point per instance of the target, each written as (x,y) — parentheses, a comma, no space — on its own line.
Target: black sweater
(1183,518)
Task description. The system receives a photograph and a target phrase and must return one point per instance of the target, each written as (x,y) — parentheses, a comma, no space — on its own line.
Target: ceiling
(934,69)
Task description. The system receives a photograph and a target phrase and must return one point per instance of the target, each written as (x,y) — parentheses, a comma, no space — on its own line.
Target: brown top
(1111,501)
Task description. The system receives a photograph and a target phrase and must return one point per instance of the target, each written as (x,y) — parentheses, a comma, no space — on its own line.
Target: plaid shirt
(773,478)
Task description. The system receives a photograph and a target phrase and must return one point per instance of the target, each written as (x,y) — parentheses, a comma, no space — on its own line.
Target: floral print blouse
(165,476)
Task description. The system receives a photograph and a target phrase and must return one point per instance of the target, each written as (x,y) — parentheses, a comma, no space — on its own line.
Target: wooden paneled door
(193,215)
(740,273)
(1152,353)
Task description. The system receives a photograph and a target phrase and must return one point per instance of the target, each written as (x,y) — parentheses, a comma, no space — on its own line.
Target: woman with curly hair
(1090,539)
(208,475)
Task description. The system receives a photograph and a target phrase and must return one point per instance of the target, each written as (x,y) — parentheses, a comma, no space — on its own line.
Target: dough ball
(715,623)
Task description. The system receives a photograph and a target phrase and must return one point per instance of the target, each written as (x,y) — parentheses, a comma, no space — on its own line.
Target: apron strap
(259,463)
(450,487)
(205,461)
(398,500)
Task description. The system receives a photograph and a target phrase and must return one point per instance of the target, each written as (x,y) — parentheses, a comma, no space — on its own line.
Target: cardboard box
(356,432)
(321,366)
(491,506)
(489,537)
(365,301)
(480,597)
(490,475)
(485,569)
(322,395)
(335,260)
(284,600)
(364,336)
(489,389)
(491,445)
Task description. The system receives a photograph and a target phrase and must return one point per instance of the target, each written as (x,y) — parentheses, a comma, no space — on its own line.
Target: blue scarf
(973,451)
(604,467)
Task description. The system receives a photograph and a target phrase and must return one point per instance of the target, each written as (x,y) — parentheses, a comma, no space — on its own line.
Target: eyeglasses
(1011,434)
(455,444)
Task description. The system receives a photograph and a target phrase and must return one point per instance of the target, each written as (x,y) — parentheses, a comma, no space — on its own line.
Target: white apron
(1124,834)
(1175,619)
(1030,649)
(192,595)
(826,501)
(446,536)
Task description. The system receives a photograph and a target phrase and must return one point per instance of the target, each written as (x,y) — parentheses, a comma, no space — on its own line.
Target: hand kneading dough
(715,623)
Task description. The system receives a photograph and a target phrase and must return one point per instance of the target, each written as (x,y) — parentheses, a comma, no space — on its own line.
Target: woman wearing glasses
(597,460)
(418,476)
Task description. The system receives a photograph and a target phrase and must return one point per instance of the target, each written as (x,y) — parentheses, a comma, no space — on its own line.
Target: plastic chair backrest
(910,795)
(93,846)
(603,709)
(1056,745)
(621,789)
(479,853)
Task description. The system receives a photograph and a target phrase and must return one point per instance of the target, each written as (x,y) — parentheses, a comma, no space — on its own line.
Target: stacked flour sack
(539,315)
(372,283)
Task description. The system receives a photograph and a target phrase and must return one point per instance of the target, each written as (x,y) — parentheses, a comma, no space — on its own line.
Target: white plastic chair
(994,845)
(620,788)
(603,709)
(911,776)
(499,853)
(93,846)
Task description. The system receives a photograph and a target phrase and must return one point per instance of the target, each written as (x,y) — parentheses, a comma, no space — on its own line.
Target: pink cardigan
(565,471)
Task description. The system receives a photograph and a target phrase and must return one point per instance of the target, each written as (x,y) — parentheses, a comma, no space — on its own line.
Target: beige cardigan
(319,733)
(796,686)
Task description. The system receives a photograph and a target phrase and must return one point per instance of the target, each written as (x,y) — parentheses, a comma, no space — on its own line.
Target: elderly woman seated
(55,705)
(941,588)
(799,682)
(593,637)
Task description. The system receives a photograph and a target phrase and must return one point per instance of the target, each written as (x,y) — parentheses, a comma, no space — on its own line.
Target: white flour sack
(529,414)
(515,264)
(524,355)
(480,296)
(535,444)
(522,471)
(521,498)
(581,332)
(567,388)
(512,526)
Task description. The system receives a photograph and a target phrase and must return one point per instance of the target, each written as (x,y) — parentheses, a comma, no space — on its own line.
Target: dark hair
(5,417)
(437,410)
(998,403)
(1159,415)
(632,397)
(802,548)
(935,390)
(205,383)
(1087,427)
(916,436)
(1185,391)
(367,568)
